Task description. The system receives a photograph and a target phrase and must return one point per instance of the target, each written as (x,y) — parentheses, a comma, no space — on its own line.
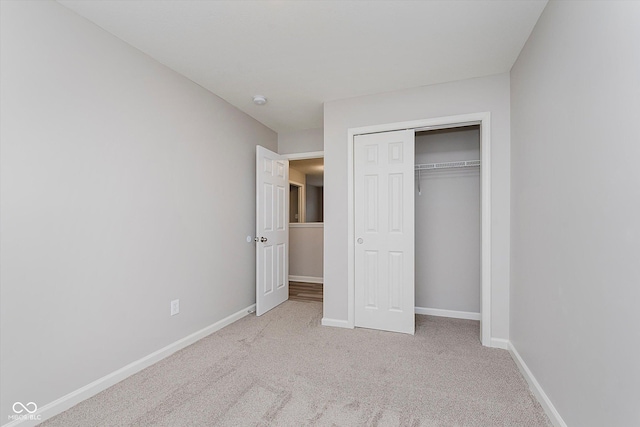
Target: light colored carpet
(284,369)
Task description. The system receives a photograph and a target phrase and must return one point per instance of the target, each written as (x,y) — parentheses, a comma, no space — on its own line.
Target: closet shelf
(447,165)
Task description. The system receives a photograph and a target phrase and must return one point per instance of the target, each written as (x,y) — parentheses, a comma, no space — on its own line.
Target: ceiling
(300,54)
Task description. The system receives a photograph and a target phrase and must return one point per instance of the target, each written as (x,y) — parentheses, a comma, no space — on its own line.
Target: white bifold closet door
(384,231)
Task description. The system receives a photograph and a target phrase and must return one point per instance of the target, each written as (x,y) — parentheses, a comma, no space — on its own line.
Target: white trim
(536,389)
(448,313)
(500,343)
(306,279)
(65,402)
(306,224)
(302,200)
(296,183)
(351,320)
(485,238)
(336,323)
(484,119)
(447,122)
(302,156)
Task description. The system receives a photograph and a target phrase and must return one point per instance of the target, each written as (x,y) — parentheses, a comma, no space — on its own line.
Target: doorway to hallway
(307,292)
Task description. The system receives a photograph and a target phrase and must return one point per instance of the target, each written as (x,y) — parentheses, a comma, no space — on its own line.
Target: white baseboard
(65,402)
(448,313)
(500,343)
(335,323)
(536,388)
(306,279)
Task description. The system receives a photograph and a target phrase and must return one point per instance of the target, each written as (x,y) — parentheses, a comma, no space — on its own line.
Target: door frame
(303,156)
(484,120)
(301,199)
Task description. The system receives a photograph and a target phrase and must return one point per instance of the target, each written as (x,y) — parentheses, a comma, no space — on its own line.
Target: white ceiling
(300,54)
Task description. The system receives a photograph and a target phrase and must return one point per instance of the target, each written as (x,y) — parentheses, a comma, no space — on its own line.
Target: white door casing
(272,230)
(384,231)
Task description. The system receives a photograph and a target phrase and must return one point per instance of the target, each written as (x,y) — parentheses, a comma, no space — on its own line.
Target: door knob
(360,241)
(260,239)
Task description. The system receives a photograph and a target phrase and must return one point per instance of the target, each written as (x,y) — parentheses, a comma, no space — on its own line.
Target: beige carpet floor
(284,369)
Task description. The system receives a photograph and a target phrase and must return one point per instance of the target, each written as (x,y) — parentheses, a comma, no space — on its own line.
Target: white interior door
(384,231)
(272,230)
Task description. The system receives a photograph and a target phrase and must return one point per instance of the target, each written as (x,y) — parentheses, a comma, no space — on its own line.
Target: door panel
(384,231)
(272,230)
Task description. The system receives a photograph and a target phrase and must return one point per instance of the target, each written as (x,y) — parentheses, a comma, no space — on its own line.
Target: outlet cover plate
(175,307)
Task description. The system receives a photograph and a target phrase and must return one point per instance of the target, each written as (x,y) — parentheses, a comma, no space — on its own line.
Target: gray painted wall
(461,97)
(119,193)
(301,141)
(305,250)
(575,277)
(447,217)
(313,197)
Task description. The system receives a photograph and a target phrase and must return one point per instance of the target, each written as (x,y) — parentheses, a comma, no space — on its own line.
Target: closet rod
(447,165)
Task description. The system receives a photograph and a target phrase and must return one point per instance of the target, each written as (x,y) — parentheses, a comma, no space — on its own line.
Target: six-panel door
(384,231)
(272,228)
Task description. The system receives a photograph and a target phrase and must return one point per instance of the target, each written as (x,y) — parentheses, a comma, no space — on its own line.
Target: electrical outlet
(175,307)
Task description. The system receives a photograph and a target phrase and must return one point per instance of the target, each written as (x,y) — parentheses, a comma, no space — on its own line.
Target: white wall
(116,199)
(447,222)
(461,97)
(301,141)
(305,250)
(575,278)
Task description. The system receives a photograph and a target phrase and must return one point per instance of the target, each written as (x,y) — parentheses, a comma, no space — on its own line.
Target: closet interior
(448,221)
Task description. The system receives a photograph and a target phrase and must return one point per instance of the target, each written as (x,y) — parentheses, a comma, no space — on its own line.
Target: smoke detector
(259,100)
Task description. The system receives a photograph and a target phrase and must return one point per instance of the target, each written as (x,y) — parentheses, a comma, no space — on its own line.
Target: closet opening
(306,229)
(448,222)
(385,225)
